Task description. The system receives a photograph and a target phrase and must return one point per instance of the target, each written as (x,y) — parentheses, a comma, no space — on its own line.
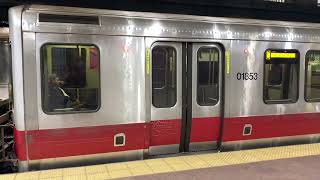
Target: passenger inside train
(58,97)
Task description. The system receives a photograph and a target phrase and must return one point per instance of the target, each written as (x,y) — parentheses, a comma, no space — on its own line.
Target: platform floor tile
(98,169)
(74,171)
(98,176)
(75,177)
(141,171)
(120,173)
(51,173)
(28,176)
(168,164)
(8,177)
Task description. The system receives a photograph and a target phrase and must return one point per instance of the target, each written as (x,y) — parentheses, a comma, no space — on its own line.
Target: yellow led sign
(148,61)
(283,55)
(227,54)
(279,55)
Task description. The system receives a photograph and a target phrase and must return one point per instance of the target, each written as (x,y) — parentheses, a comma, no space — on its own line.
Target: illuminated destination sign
(281,55)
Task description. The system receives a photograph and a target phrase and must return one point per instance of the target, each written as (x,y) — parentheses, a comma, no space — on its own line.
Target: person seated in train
(58,97)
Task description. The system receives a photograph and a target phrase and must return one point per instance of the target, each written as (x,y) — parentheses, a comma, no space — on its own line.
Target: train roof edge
(167,16)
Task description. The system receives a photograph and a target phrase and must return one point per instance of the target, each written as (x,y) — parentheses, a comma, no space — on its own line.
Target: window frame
(165,85)
(284,101)
(305,78)
(219,59)
(43,83)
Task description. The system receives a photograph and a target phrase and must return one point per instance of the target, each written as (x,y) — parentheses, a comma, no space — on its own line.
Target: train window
(70,78)
(164,76)
(208,76)
(312,76)
(281,74)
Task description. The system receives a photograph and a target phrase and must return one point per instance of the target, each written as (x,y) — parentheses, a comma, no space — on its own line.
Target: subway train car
(94,86)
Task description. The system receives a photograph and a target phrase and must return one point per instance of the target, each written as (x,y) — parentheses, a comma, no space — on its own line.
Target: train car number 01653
(247,76)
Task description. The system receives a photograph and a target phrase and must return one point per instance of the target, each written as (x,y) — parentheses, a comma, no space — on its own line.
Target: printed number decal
(247,76)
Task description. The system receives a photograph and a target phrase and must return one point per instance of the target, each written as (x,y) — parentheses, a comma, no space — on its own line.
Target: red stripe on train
(54,143)
(92,140)
(165,132)
(205,129)
(20,144)
(271,126)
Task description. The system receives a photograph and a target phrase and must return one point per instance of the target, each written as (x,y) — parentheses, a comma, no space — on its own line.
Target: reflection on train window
(281,74)
(70,78)
(275,76)
(312,76)
(164,76)
(208,76)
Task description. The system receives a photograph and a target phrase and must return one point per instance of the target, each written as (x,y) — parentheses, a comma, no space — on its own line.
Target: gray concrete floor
(303,168)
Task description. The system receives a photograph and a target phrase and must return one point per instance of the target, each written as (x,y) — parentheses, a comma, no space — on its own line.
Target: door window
(208,76)
(164,76)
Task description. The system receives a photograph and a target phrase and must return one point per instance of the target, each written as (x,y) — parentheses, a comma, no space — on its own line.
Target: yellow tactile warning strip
(170,164)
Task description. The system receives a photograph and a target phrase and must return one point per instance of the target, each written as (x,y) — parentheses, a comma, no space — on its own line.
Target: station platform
(285,162)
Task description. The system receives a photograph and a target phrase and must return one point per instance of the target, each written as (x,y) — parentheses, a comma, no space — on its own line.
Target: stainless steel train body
(158,84)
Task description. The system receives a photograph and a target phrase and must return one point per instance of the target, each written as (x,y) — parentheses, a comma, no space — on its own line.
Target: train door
(185,86)
(205,120)
(166,97)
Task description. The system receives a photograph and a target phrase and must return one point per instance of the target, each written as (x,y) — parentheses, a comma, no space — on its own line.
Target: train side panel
(121,109)
(272,124)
